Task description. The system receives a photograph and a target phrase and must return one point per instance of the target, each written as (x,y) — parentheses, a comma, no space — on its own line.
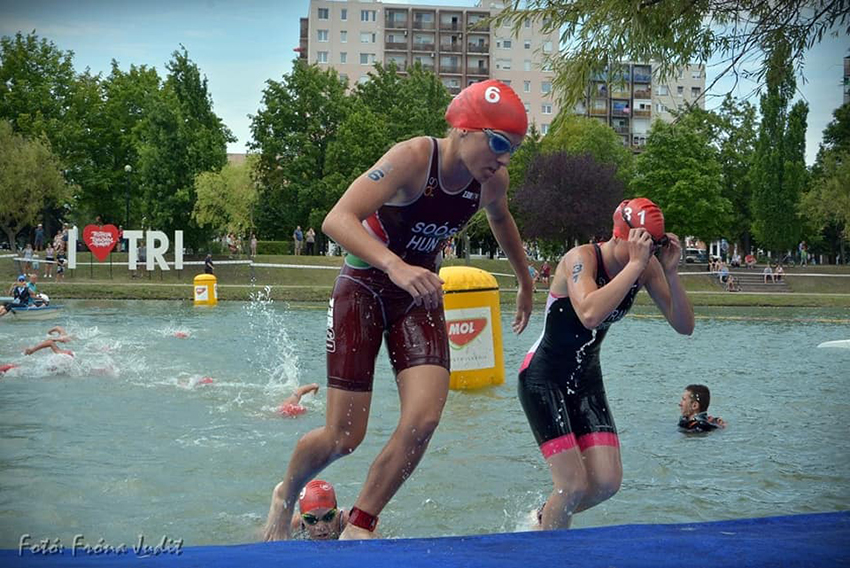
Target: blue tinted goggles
(499,143)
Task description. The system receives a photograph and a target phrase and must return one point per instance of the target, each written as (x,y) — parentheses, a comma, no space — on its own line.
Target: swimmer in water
(560,381)
(319,517)
(291,407)
(61,337)
(694,406)
(394,220)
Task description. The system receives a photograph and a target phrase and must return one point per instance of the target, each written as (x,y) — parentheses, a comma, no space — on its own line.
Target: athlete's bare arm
(666,290)
(399,174)
(591,303)
(495,203)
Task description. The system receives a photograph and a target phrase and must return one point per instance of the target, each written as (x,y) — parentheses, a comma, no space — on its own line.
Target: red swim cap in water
(291,410)
(639,213)
(7,367)
(488,104)
(317,494)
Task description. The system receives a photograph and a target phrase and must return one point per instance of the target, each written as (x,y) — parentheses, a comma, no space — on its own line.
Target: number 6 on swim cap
(488,104)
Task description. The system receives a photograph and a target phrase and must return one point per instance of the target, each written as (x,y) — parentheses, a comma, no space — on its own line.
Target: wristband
(362,519)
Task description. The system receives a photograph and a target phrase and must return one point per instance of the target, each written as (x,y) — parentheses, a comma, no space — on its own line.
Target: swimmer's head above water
(319,512)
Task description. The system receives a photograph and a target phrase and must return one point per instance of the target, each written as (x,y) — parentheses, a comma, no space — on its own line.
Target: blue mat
(800,540)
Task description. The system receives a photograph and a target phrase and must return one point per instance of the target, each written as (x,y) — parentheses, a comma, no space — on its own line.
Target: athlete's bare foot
(351,532)
(277,525)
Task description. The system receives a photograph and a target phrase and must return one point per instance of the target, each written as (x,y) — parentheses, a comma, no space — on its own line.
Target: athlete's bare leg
(423,391)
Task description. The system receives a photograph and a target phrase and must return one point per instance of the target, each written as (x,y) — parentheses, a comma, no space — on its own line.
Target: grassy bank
(237,282)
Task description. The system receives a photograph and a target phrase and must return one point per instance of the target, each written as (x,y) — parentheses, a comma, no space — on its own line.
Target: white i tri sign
(156,244)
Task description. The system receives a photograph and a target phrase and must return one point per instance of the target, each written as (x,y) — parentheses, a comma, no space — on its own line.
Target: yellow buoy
(206,290)
(474,325)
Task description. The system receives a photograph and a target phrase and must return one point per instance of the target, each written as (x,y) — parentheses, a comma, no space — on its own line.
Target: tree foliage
(568,197)
(578,135)
(227,199)
(778,167)
(599,34)
(828,200)
(679,171)
(30,180)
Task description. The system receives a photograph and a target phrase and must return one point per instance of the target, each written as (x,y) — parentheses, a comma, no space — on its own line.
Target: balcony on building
(638,141)
(451,43)
(452,85)
(643,92)
(599,107)
(625,140)
(399,60)
(424,20)
(475,21)
(481,70)
(620,91)
(303,39)
(424,42)
(395,41)
(451,21)
(478,43)
(642,74)
(395,19)
(426,62)
(599,89)
(620,125)
(450,65)
(620,108)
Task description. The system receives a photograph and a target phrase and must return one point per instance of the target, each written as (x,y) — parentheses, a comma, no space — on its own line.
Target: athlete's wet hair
(701,395)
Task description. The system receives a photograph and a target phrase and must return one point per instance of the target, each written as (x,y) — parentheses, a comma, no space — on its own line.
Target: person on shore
(298,239)
(311,241)
(393,221)
(39,237)
(209,267)
(49,260)
(750,260)
(253,245)
(694,410)
(560,381)
(778,273)
(319,516)
(768,273)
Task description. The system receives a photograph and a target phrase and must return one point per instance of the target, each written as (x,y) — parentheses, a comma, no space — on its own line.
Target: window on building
(367,15)
(547,65)
(526,86)
(528,23)
(323,13)
(363,79)
(344,78)
(544,129)
(547,47)
(507,44)
(323,35)
(526,44)
(662,90)
(697,74)
(526,65)
(546,87)
(343,14)
(695,91)
(367,58)
(527,108)
(546,108)
(367,37)
(503,64)
(322,57)
(506,82)
(680,90)
(343,36)
(343,57)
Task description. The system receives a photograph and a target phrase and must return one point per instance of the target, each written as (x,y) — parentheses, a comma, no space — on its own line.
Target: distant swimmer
(61,337)
(7,367)
(694,407)
(319,517)
(291,407)
(560,382)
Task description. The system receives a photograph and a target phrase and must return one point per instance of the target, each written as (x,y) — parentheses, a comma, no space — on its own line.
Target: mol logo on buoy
(463,331)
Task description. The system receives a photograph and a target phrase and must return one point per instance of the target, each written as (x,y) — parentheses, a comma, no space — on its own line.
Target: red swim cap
(639,212)
(317,494)
(488,104)
(291,410)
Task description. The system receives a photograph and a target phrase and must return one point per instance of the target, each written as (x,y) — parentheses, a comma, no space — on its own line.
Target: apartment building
(846,81)
(453,42)
(631,101)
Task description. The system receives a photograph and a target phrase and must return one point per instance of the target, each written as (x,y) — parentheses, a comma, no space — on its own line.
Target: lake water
(122,440)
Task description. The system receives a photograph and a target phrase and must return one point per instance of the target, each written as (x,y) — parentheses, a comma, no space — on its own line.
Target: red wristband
(362,519)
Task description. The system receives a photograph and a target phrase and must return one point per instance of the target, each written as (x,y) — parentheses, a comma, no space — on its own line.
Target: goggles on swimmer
(499,143)
(312,519)
(657,244)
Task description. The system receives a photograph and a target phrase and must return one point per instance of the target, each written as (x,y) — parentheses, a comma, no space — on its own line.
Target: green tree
(598,34)
(578,135)
(30,180)
(179,138)
(299,117)
(679,171)
(227,199)
(828,200)
(778,172)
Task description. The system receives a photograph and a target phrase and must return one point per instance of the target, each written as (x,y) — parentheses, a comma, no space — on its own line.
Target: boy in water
(694,406)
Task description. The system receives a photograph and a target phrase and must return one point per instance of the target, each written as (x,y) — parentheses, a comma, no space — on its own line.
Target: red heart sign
(100,239)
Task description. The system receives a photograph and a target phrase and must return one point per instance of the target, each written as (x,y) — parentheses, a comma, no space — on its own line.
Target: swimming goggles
(312,519)
(657,244)
(499,143)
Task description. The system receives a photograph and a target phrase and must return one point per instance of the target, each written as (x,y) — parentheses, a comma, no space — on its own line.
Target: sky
(240,45)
